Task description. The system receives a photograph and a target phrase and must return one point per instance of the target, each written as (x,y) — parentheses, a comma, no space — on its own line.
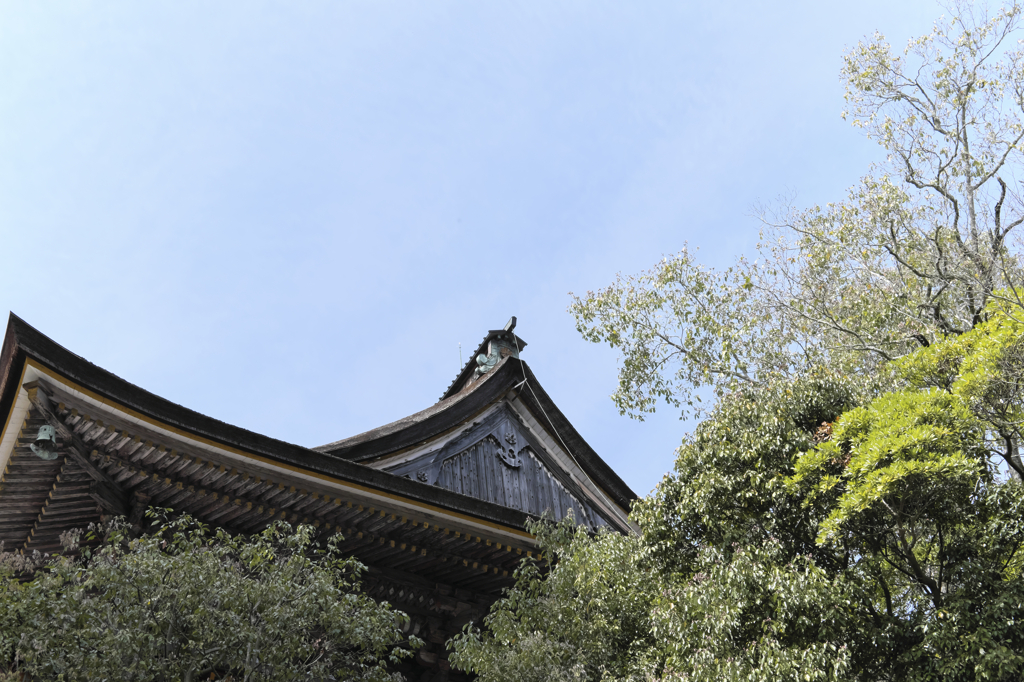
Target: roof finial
(499,343)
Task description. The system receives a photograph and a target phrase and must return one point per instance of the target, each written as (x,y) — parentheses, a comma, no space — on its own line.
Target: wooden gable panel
(479,472)
(499,461)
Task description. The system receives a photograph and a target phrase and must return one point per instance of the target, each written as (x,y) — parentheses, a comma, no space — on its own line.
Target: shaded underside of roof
(443,578)
(44,498)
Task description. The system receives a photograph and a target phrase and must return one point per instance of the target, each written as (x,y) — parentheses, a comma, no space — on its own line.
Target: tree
(188,603)
(850,506)
(881,542)
(912,490)
(921,246)
(748,592)
(982,370)
(583,613)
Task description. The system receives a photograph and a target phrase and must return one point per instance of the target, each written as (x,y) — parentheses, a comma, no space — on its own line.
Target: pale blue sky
(288,215)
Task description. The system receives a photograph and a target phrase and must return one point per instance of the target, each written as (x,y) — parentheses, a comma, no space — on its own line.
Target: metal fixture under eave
(45,446)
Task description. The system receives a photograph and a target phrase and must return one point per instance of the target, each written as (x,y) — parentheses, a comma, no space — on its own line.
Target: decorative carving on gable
(508,455)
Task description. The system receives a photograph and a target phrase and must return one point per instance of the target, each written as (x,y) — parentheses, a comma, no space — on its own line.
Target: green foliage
(907,455)
(749,594)
(978,633)
(585,614)
(729,483)
(808,532)
(982,369)
(844,510)
(185,603)
(709,327)
(920,248)
(870,546)
(751,613)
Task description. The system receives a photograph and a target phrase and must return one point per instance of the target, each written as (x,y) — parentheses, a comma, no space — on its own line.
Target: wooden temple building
(435,504)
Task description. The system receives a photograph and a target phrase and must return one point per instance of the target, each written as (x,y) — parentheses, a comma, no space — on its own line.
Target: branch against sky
(915,253)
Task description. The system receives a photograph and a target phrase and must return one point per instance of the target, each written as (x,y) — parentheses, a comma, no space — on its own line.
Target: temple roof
(23,342)
(119,449)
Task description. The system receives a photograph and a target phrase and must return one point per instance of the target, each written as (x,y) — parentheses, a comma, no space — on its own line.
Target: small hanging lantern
(45,446)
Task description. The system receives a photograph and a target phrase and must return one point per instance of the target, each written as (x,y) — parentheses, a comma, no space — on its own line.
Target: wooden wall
(480,472)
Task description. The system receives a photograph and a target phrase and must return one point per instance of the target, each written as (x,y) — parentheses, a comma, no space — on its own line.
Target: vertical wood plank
(517,497)
(560,504)
(524,484)
(484,463)
(531,482)
(497,491)
(506,485)
(520,485)
(462,473)
(490,462)
(552,492)
(480,455)
(543,494)
(474,466)
(524,488)
(540,479)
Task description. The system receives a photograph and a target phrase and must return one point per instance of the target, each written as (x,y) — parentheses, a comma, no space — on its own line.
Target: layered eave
(154,452)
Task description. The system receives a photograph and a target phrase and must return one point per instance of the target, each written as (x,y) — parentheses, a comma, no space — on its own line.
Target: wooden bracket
(111,499)
(140,503)
(104,490)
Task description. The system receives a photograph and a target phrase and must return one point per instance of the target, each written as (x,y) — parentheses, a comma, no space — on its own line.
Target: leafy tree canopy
(582,614)
(185,603)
